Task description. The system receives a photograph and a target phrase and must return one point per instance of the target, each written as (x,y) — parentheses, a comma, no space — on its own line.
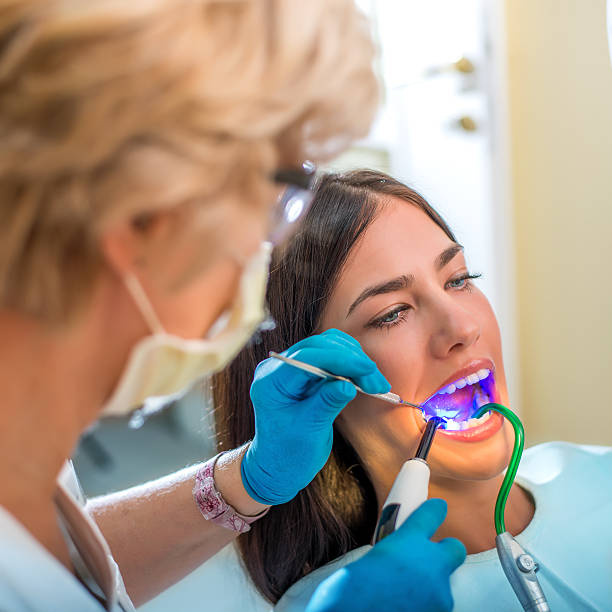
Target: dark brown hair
(337,511)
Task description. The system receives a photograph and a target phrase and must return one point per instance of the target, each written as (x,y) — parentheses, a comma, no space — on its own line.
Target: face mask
(162,364)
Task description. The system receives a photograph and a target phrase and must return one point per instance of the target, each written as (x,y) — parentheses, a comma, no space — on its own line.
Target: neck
(52,388)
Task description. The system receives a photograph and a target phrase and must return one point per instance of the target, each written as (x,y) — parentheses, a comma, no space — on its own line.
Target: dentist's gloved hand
(405,571)
(295,411)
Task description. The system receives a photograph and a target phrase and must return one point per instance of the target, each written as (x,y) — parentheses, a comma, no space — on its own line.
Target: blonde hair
(110,108)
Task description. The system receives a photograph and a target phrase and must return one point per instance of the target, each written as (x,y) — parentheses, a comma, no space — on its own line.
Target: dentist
(150,149)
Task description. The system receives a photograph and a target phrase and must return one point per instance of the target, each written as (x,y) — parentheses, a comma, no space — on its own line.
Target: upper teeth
(471,379)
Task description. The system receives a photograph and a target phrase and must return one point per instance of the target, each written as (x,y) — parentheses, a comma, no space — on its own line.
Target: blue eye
(390,317)
(462,281)
(393,317)
(457,283)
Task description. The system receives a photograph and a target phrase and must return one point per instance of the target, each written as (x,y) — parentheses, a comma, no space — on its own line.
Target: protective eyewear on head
(293,202)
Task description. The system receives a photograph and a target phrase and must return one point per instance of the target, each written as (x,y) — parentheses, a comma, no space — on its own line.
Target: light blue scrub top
(569,536)
(33,580)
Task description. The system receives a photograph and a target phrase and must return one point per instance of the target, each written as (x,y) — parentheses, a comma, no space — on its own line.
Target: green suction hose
(517,452)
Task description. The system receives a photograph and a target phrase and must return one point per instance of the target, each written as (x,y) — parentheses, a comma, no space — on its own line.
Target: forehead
(402,239)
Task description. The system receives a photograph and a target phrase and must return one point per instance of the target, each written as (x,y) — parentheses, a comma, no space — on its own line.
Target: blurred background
(500,113)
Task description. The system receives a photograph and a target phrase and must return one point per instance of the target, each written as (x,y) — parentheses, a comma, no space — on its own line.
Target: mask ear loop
(143,303)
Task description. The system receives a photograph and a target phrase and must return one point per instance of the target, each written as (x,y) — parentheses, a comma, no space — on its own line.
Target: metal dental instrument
(411,487)
(392,398)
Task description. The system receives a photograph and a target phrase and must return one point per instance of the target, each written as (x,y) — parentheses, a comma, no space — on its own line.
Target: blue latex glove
(405,571)
(295,411)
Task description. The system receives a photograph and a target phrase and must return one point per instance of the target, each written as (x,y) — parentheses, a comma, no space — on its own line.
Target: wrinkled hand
(295,411)
(405,571)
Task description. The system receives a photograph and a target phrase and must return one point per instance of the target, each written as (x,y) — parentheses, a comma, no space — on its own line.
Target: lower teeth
(475,422)
(462,425)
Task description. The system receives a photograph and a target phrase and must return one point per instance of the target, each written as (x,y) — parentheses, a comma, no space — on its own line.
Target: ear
(119,249)
(126,244)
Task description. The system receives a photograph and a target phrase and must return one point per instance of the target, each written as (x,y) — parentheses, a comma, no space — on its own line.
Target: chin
(473,461)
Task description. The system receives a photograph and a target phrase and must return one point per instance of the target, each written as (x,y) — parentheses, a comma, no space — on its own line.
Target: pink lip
(480,432)
(471,368)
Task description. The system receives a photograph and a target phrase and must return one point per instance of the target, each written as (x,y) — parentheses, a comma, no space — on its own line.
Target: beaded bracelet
(212,505)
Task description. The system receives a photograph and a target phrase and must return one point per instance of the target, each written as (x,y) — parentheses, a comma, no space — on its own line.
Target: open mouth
(459,401)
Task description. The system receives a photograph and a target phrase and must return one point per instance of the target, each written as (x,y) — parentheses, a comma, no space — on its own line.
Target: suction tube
(515,459)
(519,566)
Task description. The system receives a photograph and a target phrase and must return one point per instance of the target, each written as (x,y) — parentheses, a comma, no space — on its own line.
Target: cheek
(375,427)
(400,354)
(491,337)
(194,309)
(490,327)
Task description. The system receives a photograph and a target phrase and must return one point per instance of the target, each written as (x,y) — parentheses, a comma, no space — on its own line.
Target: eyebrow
(447,255)
(395,284)
(405,280)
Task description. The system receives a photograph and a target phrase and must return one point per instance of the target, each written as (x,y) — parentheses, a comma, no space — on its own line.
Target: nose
(456,328)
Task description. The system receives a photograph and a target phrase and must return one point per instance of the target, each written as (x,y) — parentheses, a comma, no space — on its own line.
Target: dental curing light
(518,565)
(411,487)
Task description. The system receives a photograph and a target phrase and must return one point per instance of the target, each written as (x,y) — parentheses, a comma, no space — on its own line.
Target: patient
(374,260)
